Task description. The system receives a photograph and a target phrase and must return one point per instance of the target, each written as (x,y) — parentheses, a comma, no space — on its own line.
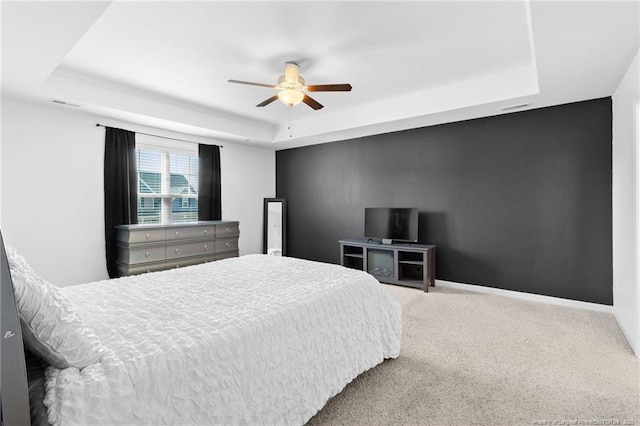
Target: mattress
(251,340)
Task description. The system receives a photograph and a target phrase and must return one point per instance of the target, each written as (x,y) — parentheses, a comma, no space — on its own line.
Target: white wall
(248,176)
(626,165)
(52,205)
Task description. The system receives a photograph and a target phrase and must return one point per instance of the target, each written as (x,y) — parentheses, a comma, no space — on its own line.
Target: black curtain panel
(120,188)
(209,191)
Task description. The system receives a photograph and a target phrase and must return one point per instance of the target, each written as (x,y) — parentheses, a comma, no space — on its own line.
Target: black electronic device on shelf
(390,224)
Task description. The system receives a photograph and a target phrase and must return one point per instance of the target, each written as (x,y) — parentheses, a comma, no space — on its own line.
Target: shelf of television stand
(408,264)
(353,257)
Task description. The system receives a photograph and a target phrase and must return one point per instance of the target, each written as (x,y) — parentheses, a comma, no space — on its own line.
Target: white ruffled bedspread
(254,340)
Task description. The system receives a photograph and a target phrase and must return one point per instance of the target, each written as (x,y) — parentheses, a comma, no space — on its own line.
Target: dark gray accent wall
(519,201)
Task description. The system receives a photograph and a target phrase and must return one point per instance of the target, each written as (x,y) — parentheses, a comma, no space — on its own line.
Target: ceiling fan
(291,88)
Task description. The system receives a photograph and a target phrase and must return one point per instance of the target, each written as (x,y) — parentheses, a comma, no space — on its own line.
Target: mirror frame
(265,223)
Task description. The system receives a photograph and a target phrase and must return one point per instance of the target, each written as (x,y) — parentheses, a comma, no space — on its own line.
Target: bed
(251,340)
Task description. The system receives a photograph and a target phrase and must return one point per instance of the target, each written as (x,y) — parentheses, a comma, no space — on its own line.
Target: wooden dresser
(146,248)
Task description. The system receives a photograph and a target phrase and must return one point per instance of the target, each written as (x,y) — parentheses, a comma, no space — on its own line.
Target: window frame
(164,146)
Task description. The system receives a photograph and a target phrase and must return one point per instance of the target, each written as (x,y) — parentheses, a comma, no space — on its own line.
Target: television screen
(391,223)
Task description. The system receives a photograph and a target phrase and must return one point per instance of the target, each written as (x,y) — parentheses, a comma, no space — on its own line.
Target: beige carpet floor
(478,359)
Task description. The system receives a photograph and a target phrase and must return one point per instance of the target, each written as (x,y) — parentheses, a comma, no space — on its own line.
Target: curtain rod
(149,134)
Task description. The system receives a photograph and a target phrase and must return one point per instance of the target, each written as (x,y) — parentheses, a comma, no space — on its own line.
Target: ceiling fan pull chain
(289,127)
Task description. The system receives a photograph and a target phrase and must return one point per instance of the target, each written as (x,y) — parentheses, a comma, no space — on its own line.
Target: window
(167,181)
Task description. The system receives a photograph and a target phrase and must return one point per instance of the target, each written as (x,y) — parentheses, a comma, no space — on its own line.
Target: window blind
(167,184)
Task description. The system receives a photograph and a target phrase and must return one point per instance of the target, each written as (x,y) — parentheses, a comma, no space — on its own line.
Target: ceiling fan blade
(270,86)
(329,87)
(312,102)
(268,101)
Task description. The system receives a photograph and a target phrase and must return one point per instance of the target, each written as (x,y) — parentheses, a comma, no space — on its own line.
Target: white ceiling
(166,64)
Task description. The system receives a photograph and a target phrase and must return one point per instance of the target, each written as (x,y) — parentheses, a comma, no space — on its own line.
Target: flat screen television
(391,224)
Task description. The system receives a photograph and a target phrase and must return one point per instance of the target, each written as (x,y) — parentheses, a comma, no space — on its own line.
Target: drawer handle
(206,231)
(177,233)
(177,251)
(205,247)
(228,230)
(227,244)
(147,254)
(148,236)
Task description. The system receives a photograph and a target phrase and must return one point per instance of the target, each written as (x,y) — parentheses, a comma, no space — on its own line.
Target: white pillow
(50,326)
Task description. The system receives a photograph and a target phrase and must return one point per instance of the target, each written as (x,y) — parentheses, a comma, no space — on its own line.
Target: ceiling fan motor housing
(291,78)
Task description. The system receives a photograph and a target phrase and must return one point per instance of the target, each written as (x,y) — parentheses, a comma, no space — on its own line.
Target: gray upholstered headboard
(13,388)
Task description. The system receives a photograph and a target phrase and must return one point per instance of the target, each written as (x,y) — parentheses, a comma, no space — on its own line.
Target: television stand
(411,265)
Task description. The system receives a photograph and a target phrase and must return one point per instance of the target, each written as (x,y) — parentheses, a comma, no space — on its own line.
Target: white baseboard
(527,296)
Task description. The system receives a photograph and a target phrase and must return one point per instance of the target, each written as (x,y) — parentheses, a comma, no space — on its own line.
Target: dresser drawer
(175,251)
(226,244)
(137,236)
(140,254)
(226,255)
(227,230)
(188,261)
(190,232)
(142,268)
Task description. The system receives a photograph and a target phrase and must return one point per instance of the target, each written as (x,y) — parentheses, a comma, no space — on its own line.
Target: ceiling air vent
(59,102)
(511,107)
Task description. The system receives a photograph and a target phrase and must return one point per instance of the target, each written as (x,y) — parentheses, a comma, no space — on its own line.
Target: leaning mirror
(275,226)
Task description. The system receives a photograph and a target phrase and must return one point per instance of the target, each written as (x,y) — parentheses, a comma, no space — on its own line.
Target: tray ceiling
(166,64)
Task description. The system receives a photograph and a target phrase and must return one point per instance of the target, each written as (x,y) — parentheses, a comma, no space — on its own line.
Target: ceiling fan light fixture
(290,97)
